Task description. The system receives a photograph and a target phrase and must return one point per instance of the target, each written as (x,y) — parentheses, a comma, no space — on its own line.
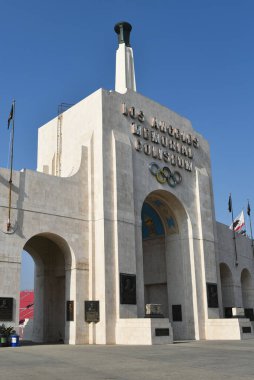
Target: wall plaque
(6,309)
(177,313)
(249,314)
(127,289)
(212,295)
(69,310)
(92,311)
(161,332)
(246,330)
(228,312)
(154,310)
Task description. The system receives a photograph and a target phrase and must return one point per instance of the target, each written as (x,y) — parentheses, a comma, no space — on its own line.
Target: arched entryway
(227,290)
(52,256)
(247,293)
(168,277)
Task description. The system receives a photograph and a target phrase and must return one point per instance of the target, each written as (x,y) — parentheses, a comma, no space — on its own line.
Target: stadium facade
(119,219)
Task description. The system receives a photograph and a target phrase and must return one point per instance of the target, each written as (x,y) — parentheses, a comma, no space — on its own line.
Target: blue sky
(196,57)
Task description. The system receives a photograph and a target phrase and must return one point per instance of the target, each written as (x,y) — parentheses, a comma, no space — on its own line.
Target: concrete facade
(134,199)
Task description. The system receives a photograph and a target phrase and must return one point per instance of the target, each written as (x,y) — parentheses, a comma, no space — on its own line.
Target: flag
(10,116)
(238,223)
(230,203)
(248,208)
(243,232)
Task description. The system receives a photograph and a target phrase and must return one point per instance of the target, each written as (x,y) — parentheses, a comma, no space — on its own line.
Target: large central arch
(52,257)
(168,262)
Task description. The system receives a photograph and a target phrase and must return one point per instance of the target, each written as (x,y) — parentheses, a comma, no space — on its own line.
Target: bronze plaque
(228,312)
(92,311)
(249,314)
(162,332)
(177,313)
(69,311)
(127,289)
(246,330)
(6,309)
(212,295)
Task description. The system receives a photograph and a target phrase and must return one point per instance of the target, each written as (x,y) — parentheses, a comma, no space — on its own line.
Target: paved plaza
(187,360)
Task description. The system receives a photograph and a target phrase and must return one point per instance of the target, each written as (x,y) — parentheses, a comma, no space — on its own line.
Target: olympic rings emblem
(165,175)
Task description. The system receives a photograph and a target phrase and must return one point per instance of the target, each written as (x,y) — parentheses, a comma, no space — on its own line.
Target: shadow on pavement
(31,343)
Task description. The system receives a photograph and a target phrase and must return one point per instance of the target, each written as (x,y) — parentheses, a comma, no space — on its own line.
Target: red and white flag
(238,223)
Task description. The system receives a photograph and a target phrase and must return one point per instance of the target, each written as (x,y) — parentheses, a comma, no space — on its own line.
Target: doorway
(51,254)
(167,261)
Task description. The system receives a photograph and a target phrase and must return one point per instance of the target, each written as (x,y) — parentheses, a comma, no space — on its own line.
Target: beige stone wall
(194,195)
(57,210)
(93,214)
(79,123)
(238,279)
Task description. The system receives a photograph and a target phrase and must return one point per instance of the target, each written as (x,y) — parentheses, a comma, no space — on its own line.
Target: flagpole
(248,212)
(11,169)
(234,236)
(251,232)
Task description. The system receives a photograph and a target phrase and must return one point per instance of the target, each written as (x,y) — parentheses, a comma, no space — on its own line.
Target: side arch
(60,241)
(227,289)
(247,289)
(53,258)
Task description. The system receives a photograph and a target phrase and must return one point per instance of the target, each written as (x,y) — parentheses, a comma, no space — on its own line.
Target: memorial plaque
(161,332)
(177,313)
(246,330)
(249,314)
(238,312)
(92,311)
(228,312)
(6,309)
(69,311)
(154,310)
(212,295)
(127,289)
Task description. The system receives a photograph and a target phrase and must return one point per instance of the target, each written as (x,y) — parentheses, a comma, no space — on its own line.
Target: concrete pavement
(185,361)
